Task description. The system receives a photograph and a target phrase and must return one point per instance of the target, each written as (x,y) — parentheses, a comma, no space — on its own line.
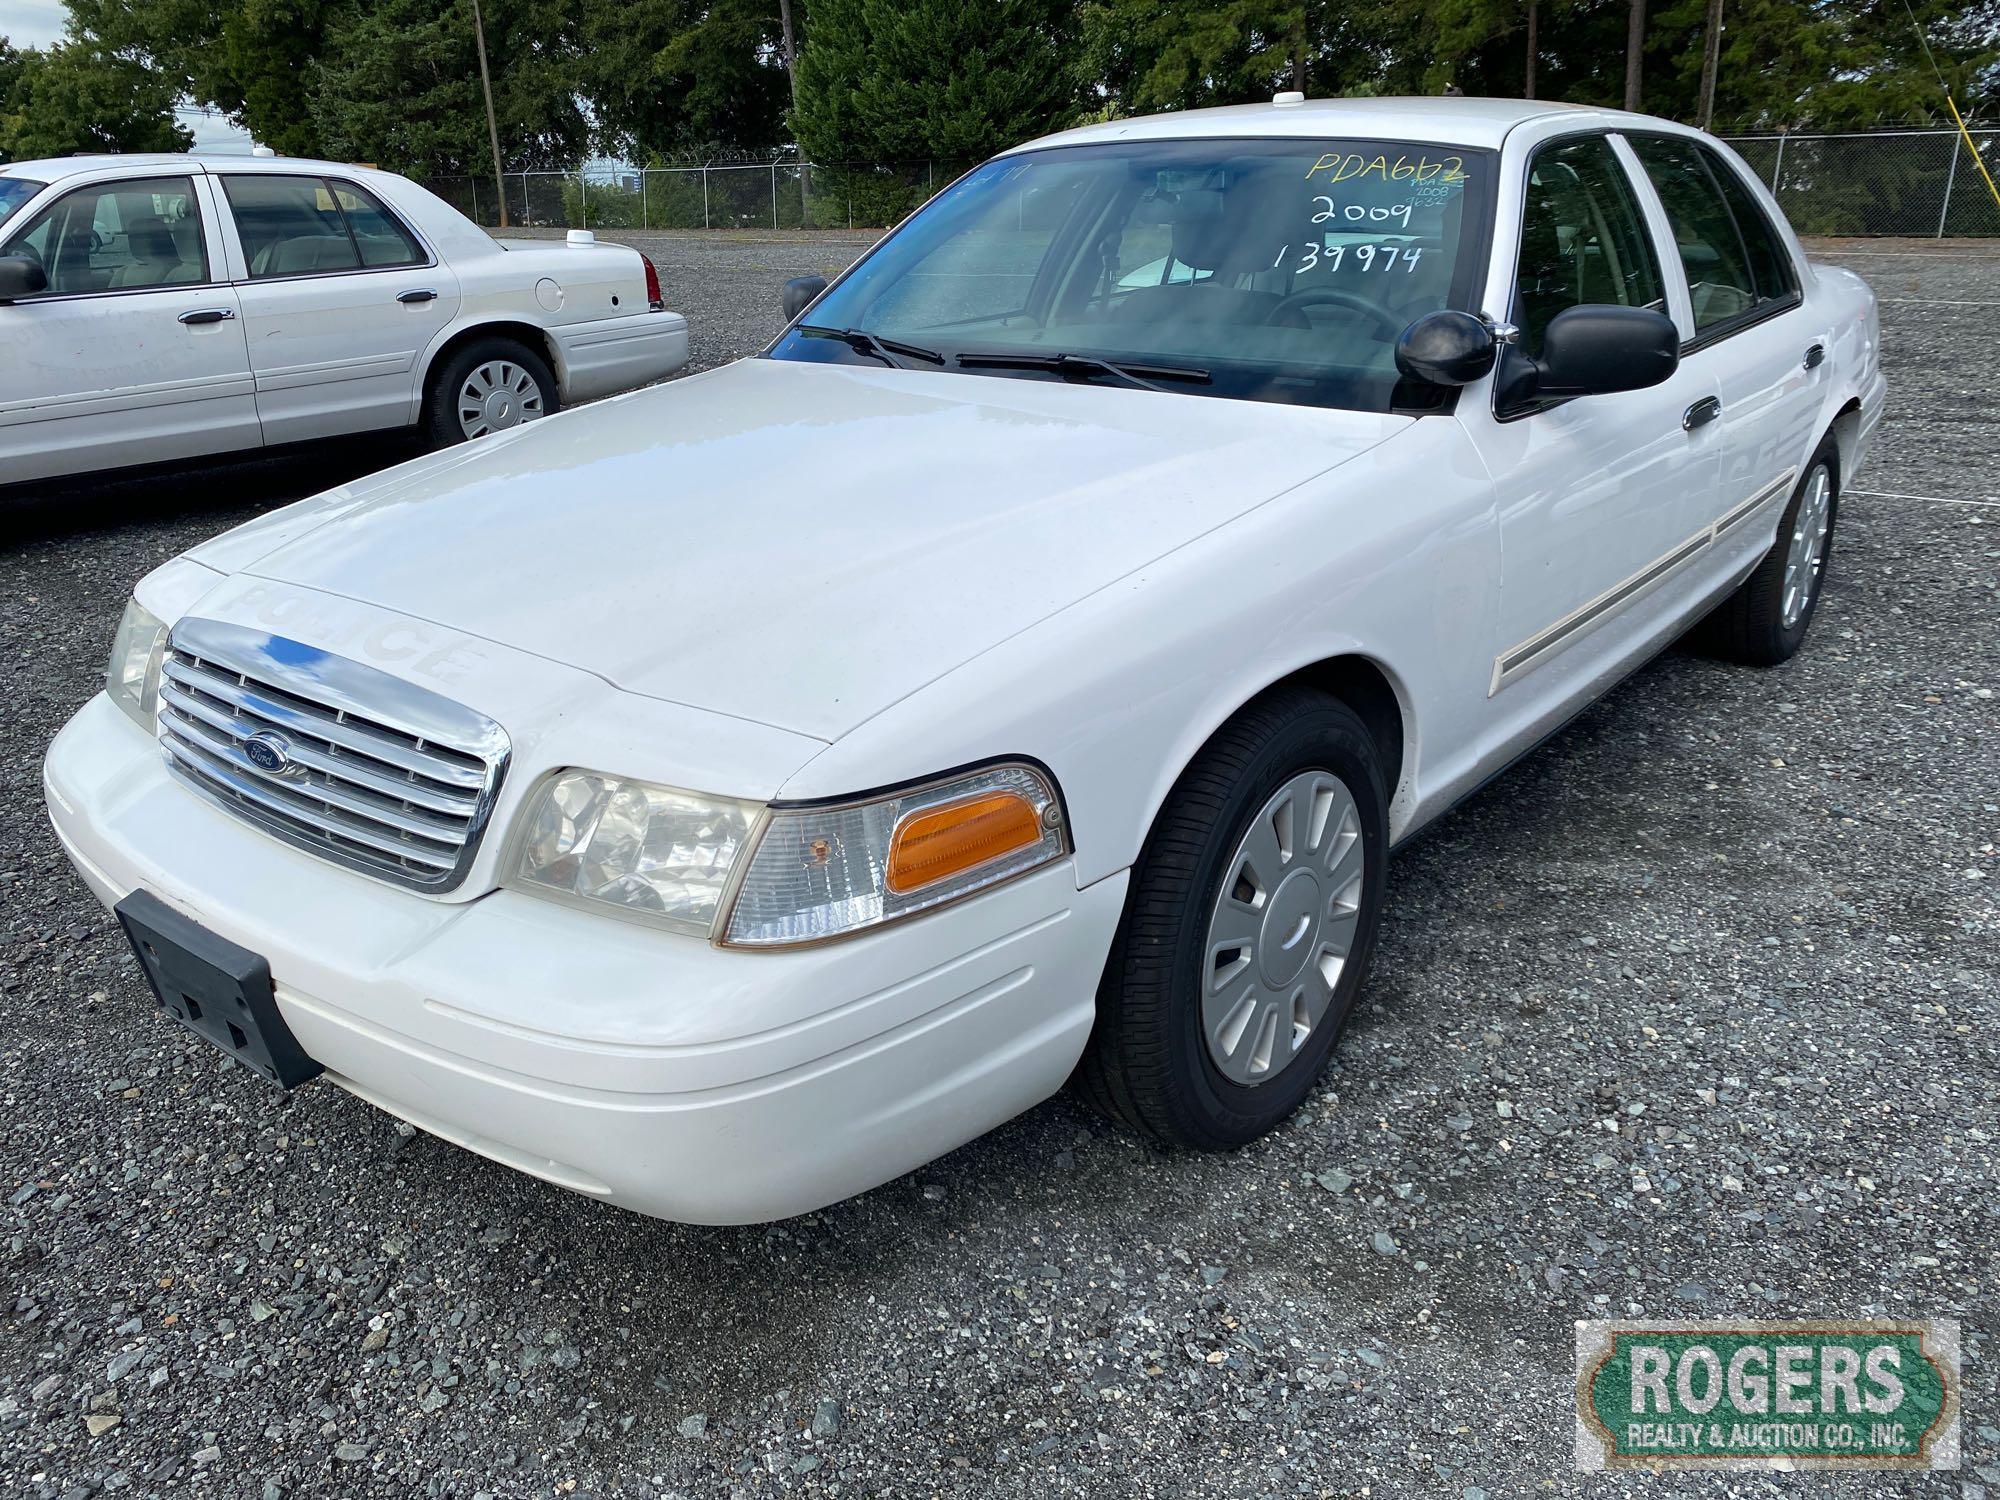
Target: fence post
(644,221)
(474,180)
(526,216)
(1778,166)
(583,198)
(1950,177)
(774,195)
(704,197)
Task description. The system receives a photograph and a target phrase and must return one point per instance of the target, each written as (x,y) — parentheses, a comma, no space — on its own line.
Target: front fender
(1393,557)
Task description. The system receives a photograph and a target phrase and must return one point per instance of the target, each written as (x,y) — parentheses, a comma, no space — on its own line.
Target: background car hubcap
(497,395)
(1282,927)
(1805,554)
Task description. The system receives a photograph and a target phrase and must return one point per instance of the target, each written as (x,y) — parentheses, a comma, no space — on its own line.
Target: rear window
(305,226)
(1770,264)
(1736,268)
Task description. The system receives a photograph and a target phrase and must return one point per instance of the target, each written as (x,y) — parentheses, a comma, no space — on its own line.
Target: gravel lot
(1692,1014)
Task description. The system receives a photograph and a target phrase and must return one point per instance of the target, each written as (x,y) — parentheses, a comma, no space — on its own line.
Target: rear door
(1751,334)
(340,298)
(135,353)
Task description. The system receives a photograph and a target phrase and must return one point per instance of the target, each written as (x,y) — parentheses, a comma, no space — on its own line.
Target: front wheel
(488,386)
(1248,928)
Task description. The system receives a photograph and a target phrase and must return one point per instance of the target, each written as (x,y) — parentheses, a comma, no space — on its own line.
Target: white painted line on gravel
(1932,499)
(1834,257)
(1936,302)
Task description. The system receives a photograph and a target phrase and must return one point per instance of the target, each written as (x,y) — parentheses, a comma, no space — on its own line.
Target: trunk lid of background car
(800,545)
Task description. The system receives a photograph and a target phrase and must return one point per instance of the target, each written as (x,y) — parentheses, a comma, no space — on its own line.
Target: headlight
(648,850)
(672,857)
(133,676)
(821,872)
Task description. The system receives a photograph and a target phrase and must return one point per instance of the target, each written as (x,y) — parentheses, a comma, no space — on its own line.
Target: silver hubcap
(497,395)
(1282,927)
(1805,554)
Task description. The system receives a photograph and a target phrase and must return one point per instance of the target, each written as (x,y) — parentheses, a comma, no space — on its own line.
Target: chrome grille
(330,754)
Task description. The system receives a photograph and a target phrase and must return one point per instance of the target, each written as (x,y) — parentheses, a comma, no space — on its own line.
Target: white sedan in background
(160,308)
(1023,669)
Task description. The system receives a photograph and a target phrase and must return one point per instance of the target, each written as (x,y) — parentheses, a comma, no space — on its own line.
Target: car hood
(797,544)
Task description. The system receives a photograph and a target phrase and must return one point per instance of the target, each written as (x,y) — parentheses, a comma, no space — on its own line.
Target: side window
(379,238)
(1721,278)
(290,226)
(1583,238)
(1771,270)
(117,236)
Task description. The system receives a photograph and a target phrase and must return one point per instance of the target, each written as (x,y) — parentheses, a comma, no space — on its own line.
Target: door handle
(1704,411)
(420,294)
(208,315)
(1815,356)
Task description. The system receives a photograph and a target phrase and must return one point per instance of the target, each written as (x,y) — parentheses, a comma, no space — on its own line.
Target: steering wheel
(1334,296)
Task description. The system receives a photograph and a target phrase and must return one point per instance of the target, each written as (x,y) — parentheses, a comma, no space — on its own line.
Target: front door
(135,352)
(1591,493)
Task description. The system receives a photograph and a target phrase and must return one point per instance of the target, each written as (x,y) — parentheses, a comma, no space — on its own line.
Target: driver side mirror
(799,294)
(1600,348)
(21,276)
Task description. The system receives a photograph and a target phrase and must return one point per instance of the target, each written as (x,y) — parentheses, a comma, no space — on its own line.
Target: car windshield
(1273,270)
(14,191)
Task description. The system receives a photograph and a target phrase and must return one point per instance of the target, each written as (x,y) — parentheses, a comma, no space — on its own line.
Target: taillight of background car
(655,299)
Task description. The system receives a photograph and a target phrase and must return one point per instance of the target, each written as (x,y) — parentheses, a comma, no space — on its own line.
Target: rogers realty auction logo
(1767,1395)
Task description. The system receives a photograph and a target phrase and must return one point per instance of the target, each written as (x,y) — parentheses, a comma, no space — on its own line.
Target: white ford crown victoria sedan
(161,308)
(1023,668)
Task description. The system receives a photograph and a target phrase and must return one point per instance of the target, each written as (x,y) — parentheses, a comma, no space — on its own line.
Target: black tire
(1749,626)
(441,423)
(1148,1062)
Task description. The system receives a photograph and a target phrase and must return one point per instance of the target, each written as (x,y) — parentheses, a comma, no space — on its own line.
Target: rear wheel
(489,386)
(1765,621)
(1248,928)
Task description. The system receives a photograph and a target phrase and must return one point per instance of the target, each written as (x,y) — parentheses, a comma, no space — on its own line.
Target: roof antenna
(1952,105)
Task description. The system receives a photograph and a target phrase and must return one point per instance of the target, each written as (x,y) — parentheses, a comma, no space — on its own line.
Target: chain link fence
(736,195)
(1891,182)
(1918,183)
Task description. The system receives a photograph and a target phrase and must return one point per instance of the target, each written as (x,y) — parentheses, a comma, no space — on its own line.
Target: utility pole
(1534,45)
(1711,57)
(792,74)
(492,125)
(1635,46)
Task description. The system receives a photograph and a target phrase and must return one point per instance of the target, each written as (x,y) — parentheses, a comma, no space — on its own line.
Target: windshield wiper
(861,341)
(1078,366)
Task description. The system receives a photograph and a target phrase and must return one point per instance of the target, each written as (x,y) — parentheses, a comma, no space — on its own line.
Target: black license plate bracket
(214,988)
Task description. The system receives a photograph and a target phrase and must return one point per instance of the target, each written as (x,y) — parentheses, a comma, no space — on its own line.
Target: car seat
(153,257)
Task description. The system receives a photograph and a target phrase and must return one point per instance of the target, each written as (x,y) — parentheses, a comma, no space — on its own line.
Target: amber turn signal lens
(940,842)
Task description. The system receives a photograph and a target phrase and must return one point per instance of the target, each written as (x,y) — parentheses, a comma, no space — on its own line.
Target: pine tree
(931,80)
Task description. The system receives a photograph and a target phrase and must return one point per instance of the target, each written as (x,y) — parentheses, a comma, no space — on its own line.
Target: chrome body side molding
(1515,662)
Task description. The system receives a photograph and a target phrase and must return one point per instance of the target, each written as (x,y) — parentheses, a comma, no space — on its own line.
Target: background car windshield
(14,191)
(1285,269)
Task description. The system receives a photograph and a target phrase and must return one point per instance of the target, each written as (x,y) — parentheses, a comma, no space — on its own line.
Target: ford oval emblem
(268,750)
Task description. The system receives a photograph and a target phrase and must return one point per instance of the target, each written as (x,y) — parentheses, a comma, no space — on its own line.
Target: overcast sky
(31,23)
(37,23)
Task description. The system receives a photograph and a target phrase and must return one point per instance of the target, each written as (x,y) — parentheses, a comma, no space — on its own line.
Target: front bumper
(607,355)
(628,1063)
